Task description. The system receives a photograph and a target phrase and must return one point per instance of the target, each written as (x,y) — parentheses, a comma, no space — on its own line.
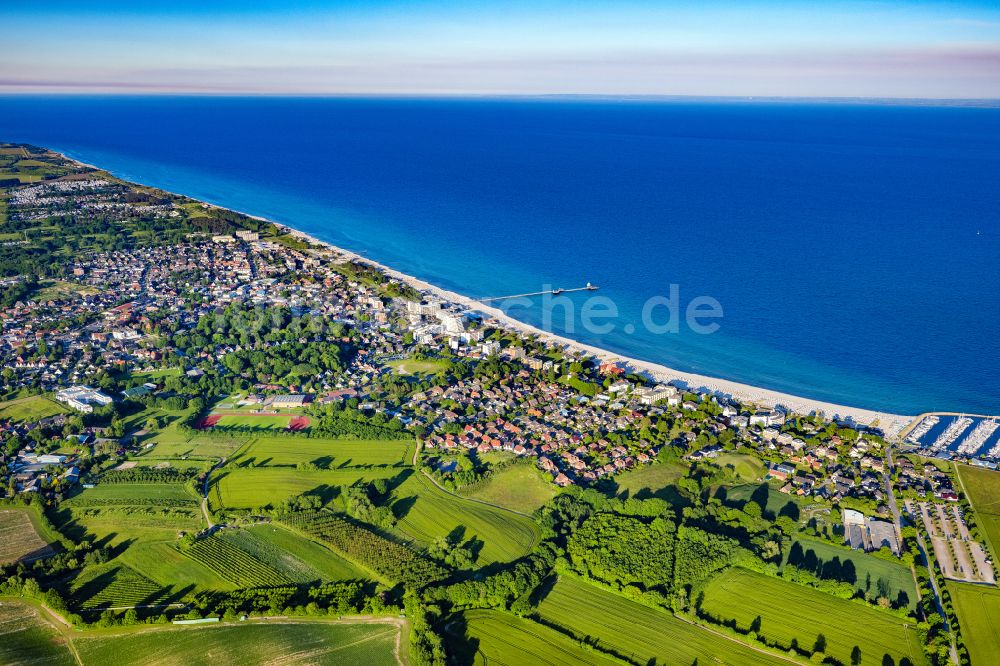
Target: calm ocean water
(855,250)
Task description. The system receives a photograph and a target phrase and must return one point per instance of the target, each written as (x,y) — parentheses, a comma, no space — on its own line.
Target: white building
(83,398)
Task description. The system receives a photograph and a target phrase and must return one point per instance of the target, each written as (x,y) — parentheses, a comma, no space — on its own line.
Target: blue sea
(854,249)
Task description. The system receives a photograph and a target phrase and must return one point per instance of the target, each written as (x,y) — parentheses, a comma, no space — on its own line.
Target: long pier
(554,292)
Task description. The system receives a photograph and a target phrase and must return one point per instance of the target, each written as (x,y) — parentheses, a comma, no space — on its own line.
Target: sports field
(983,488)
(787,613)
(30,409)
(427,513)
(521,487)
(636,632)
(19,538)
(978,609)
(498,638)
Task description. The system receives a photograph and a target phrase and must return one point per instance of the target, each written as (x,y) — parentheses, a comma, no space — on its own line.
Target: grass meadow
(978,609)
(521,487)
(635,632)
(983,488)
(792,614)
(653,480)
(326,453)
(426,513)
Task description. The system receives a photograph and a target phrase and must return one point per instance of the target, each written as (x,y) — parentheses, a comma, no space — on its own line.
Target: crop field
(285,642)
(19,538)
(297,557)
(30,409)
(788,612)
(636,632)
(983,488)
(250,488)
(868,572)
(521,487)
(164,564)
(325,453)
(978,609)
(114,585)
(144,494)
(427,513)
(234,564)
(496,637)
(27,637)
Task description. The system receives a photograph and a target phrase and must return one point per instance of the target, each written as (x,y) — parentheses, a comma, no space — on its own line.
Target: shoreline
(892,424)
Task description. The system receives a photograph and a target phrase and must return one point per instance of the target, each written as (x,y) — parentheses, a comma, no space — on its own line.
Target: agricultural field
(654,480)
(284,642)
(495,637)
(978,610)
(425,513)
(324,453)
(789,614)
(27,636)
(297,557)
(31,408)
(168,506)
(983,489)
(254,487)
(164,564)
(866,572)
(19,538)
(231,562)
(521,487)
(114,585)
(636,632)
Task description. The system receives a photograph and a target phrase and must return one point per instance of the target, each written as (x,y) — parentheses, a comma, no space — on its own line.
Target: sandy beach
(890,423)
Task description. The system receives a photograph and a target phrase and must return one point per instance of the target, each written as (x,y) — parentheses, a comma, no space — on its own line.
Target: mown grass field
(978,609)
(271,642)
(27,637)
(746,467)
(636,632)
(983,489)
(520,487)
(409,366)
(789,612)
(251,488)
(325,453)
(498,638)
(31,408)
(18,536)
(427,513)
(869,570)
(255,422)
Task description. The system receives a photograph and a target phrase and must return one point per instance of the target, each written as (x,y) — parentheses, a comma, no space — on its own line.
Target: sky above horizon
(922,49)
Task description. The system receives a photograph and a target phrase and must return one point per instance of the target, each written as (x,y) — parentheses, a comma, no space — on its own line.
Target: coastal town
(215,327)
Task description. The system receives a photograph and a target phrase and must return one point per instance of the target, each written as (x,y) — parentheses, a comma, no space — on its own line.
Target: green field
(250,488)
(978,609)
(795,614)
(636,632)
(255,422)
(28,637)
(227,559)
(521,487)
(114,585)
(136,493)
(177,575)
(870,573)
(257,643)
(325,453)
(427,513)
(297,557)
(746,467)
(31,408)
(652,480)
(495,637)
(983,488)
(777,503)
(409,366)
